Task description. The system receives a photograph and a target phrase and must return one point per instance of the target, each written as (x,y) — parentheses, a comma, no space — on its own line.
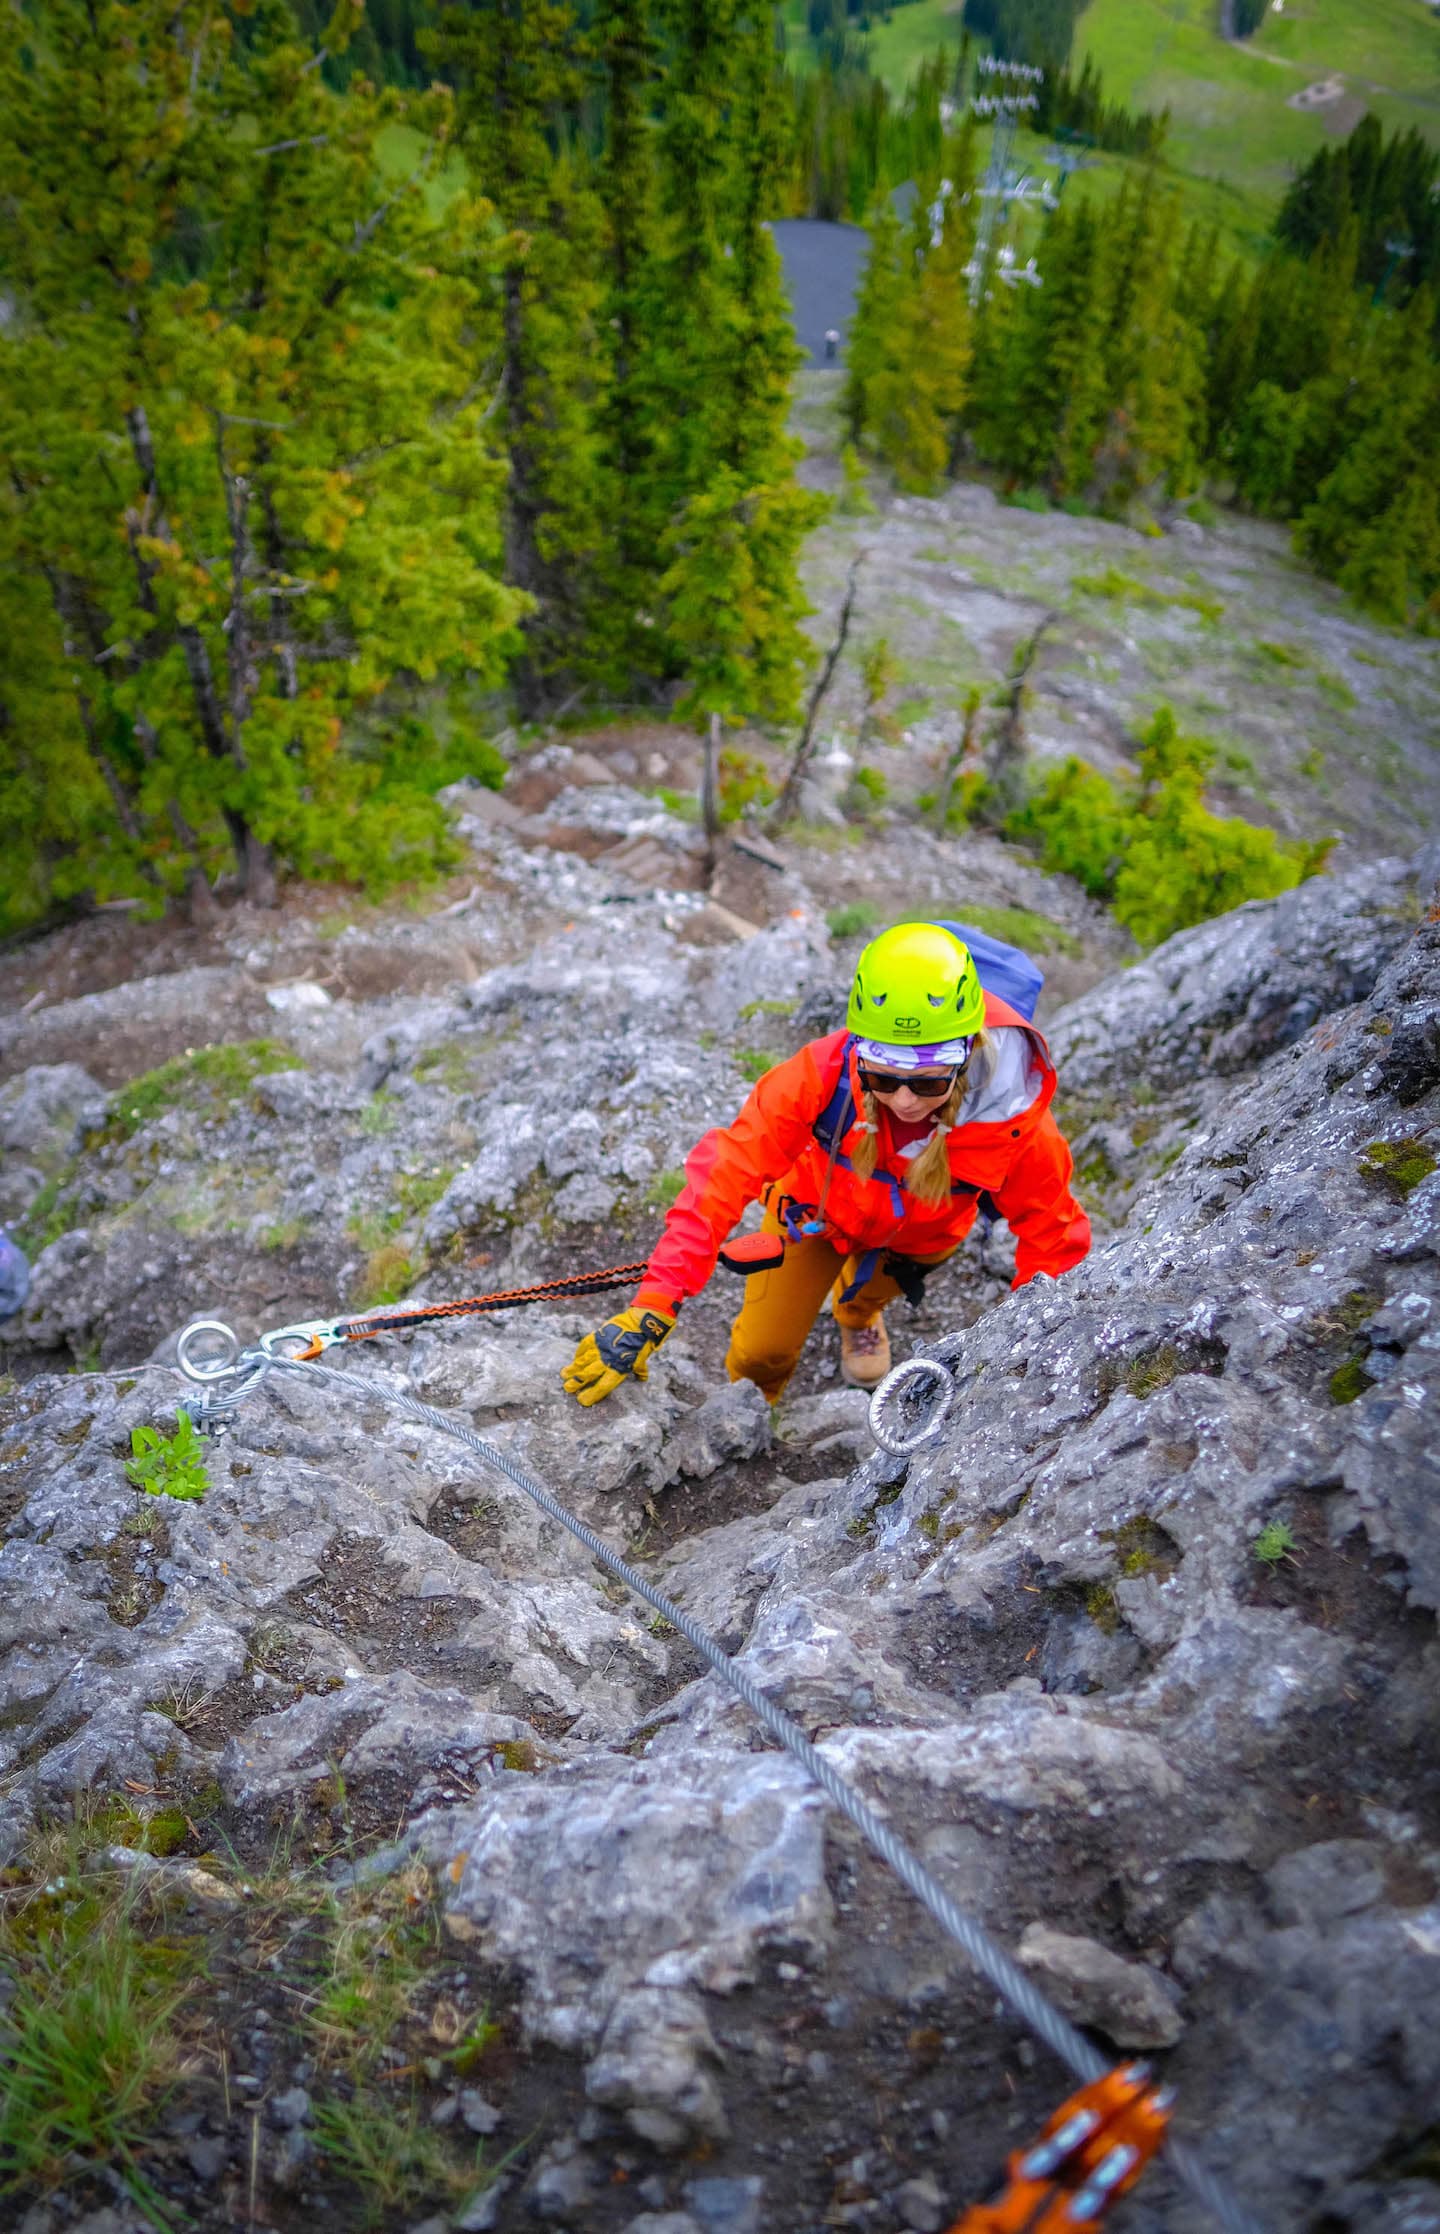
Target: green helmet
(916,987)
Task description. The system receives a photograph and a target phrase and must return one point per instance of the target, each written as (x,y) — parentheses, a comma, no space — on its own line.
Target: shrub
(1155,850)
(744,782)
(1078,821)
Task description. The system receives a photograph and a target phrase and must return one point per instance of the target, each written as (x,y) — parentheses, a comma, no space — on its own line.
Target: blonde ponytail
(867,1147)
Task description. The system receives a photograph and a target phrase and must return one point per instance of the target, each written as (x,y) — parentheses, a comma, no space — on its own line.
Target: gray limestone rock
(733,1423)
(1127,2001)
(1232,991)
(1043,1645)
(656,2062)
(1318,1884)
(390,1728)
(921,2204)
(724,2206)
(44,1114)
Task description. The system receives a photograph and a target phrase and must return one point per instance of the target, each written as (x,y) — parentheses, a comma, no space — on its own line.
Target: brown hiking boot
(864,1354)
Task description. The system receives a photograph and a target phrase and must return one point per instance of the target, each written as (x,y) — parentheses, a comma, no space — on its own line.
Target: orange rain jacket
(1006,1145)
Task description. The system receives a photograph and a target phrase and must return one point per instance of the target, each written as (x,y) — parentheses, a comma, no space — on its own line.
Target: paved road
(822,270)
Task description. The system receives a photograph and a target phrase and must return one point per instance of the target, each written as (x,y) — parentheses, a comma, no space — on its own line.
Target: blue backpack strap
(829,1125)
(1002,969)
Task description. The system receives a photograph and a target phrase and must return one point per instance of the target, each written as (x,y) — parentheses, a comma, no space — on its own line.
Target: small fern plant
(1275,1543)
(169,1465)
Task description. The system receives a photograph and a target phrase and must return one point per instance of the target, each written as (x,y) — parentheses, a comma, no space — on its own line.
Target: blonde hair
(927,1177)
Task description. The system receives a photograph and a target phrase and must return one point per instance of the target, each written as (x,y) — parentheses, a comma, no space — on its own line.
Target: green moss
(929,1525)
(447,1065)
(753,1062)
(518,1754)
(1397,1165)
(285,1235)
(1349,1381)
(664,1188)
(766,1008)
(1143,1547)
(419,1191)
(1280,655)
(1356,1307)
(1102,1608)
(207,1080)
(48,1217)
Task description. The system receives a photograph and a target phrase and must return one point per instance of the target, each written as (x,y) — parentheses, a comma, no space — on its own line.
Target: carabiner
(313,1336)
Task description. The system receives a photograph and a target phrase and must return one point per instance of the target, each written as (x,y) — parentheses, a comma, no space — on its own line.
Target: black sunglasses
(928,1088)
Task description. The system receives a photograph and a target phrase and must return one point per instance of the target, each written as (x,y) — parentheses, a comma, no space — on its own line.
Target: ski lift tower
(1006,91)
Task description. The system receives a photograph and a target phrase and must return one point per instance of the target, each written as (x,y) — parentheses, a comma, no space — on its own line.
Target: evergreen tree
(733,599)
(630,420)
(517,67)
(1154,363)
(875,328)
(915,402)
(246,474)
(1374,522)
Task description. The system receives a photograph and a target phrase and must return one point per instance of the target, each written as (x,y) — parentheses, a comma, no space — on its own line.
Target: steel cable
(1012,1983)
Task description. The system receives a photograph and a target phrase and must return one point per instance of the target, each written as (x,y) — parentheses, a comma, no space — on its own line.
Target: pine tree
(1374,522)
(1154,362)
(629,422)
(238,445)
(875,328)
(516,64)
(731,590)
(916,400)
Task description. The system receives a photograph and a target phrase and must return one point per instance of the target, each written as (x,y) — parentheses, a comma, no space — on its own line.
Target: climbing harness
(900,1392)
(1093,2150)
(315,1335)
(247,1369)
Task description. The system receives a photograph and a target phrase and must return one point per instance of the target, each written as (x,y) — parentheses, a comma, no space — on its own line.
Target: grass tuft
(664,1188)
(87,2039)
(206,1080)
(849,921)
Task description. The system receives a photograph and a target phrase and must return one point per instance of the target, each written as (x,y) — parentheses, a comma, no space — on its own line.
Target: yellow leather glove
(618,1351)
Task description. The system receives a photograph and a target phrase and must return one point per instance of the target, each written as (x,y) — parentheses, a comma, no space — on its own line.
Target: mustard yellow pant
(780,1308)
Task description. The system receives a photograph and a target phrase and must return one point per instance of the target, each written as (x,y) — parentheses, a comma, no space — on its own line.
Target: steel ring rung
(914,1370)
(217,1365)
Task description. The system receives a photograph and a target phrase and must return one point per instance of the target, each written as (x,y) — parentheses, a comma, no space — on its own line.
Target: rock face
(1139,1653)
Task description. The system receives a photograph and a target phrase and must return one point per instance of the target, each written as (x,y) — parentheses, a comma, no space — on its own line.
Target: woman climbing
(869,1149)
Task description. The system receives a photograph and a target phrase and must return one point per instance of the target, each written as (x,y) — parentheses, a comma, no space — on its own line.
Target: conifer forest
(362,367)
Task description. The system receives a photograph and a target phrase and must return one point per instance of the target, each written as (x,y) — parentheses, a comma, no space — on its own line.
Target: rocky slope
(1199,1789)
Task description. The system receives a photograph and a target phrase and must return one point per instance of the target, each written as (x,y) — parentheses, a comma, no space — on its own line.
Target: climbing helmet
(916,987)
